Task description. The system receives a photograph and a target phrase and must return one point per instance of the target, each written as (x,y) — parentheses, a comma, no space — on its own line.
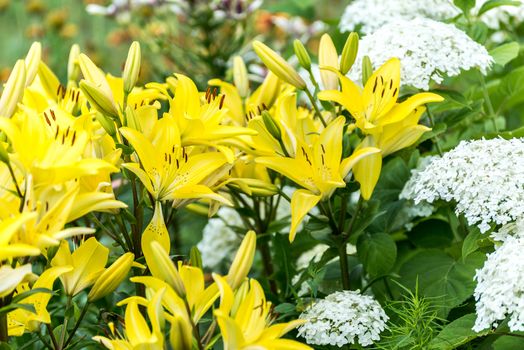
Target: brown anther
(221,102)
(53,115)
(47,119)
(73,138)
(57,131)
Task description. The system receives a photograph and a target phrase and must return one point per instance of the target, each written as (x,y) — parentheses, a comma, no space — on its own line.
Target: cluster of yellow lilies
(66,148)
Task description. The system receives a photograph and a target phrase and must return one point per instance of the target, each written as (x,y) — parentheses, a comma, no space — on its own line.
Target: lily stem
(196,332)
(77,324)
(66,321)
(314,104)
(4,335)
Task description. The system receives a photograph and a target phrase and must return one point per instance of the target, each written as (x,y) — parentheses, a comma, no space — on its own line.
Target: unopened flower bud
(13,91)
(349,53)
(107,123)
(271,125)
(240,76)
(132,67)
(73,69)
(195,258)
(243,261)
(328,57)
(111,277)
(32,61)
(98,99)
(367,69)
(163,268)
(279,66)
(302,55)
(4,156)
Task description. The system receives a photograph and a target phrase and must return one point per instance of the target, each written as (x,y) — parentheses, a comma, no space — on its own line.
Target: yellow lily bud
(100,101)
(13,91)
(240,76)
(302,55)
(367,69)
(73,69)
(328,57)
(132,67)
(243,260)
(111,277)
(271,125)
(32,61)
(349,53)
(181,336)
(163,268)
(107,124)
(276,64)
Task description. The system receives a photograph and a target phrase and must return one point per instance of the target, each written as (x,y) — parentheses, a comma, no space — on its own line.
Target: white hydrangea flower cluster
(500,282)
(501,16)
(428,50)
(484,177)
(219,242)
(342,318)
(371,15)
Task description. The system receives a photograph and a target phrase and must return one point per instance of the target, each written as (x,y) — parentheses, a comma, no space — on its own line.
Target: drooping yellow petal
(348,163)
(367,170)
(302,202)
(12,277)
(231,334)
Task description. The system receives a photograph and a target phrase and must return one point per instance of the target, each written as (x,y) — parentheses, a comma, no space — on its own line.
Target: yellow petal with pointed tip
(243,260)
(302,202)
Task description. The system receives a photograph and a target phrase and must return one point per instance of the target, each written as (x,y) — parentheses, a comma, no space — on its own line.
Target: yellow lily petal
(367,171)
(243,260)
(302,202)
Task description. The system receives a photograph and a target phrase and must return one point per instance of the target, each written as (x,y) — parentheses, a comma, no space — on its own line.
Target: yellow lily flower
(21,320)
(391,126)
(376,105)
(50,153)
(242,109)
(244,320)
(319,169)
(87,261)
(168,170)
(138,334)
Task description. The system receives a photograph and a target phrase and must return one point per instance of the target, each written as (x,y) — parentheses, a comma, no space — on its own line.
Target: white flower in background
(485,178)
(297,27)
(501,16)
(428,51)
(346,317)
(500,282)
(371,15)
(411,210)
(219,242)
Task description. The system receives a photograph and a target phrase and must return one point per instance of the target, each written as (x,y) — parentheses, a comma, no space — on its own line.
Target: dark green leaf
(441,276)
(22,296)
(14,306)
(432,233)
(377,252)
(512,88)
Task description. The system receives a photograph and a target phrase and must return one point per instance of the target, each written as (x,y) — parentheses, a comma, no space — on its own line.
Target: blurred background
(172,33)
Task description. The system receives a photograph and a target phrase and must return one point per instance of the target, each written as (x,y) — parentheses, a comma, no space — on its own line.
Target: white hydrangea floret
(428,51)
(485,178)
(346,317)
(500,282)
(369,15)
